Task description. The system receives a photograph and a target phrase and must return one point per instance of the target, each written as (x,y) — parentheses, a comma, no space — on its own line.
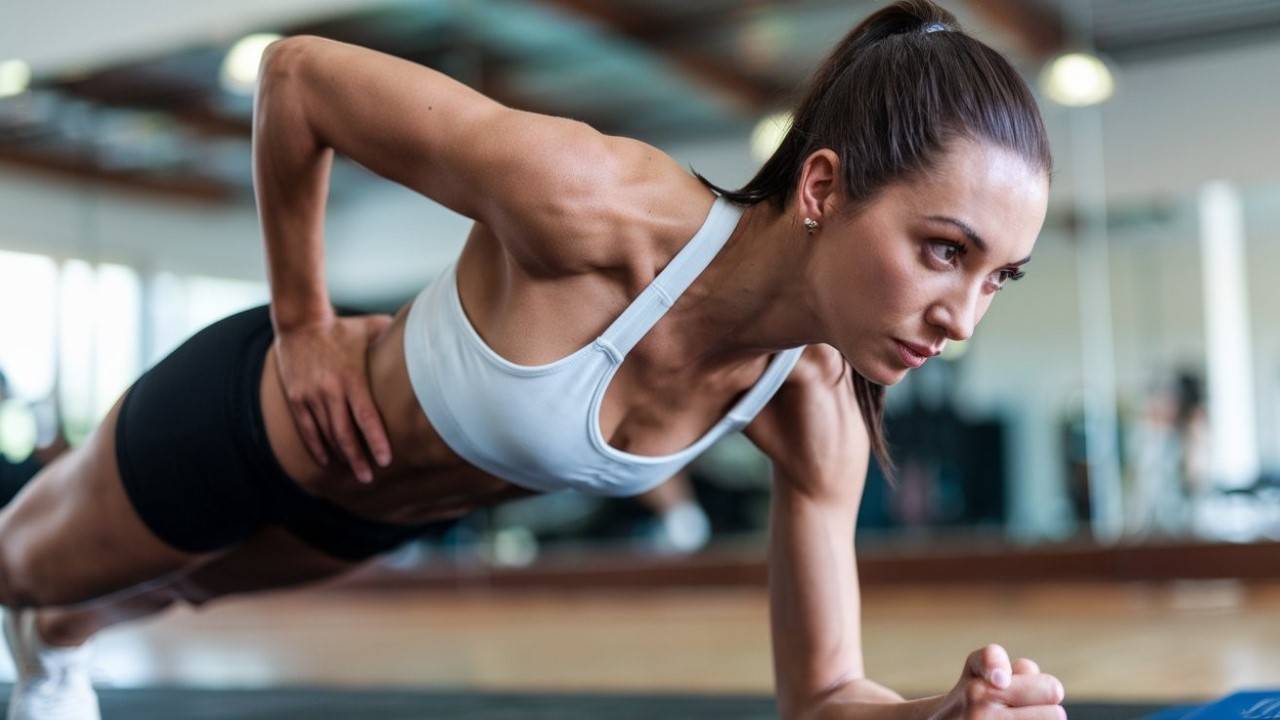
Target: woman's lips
(910,357)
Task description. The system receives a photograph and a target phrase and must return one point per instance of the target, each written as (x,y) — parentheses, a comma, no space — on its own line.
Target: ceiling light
(240,67)
(15,76)
(1077,79)
(768,134)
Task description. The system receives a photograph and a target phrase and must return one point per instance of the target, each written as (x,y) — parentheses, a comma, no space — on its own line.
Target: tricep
(418,127)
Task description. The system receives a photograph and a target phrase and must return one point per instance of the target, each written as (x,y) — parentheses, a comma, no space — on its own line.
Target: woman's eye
(945,251)
(1005,276)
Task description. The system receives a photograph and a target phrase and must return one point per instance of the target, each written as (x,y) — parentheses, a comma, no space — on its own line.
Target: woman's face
(922,262)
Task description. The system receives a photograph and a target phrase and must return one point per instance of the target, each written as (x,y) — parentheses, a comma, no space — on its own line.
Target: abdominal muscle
(425,481)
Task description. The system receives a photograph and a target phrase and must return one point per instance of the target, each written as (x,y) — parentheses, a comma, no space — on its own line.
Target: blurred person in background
(15,472)
(1191,423)
(289,444)
(513,534)
(680,526)
(1170,458)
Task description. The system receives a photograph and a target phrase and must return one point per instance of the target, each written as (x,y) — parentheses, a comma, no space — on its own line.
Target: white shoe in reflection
(52,682)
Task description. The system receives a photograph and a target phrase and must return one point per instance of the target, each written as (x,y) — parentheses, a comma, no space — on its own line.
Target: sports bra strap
(658,297)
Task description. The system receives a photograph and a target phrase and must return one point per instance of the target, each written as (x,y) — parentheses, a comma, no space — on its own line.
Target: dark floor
(300,703)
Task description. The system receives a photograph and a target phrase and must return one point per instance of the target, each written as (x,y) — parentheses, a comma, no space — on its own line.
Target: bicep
(424,130)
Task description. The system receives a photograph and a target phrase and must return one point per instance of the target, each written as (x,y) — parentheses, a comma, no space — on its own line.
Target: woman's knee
(26,579)
(17,587)
(8,594)
(35,574)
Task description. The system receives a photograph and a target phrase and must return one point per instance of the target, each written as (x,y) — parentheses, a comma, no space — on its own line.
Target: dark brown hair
(888,99)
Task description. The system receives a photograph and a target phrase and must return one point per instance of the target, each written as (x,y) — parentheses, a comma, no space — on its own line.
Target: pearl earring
(810,225)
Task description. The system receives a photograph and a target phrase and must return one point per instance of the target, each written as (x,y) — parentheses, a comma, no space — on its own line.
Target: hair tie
(934,27)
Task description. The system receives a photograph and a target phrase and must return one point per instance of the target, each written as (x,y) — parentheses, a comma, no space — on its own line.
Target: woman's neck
(754,297)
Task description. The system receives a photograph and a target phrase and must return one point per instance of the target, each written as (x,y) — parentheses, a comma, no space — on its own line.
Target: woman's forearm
(291,183)
(867,700)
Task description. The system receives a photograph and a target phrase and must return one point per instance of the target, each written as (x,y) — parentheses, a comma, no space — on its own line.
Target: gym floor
(1130,642)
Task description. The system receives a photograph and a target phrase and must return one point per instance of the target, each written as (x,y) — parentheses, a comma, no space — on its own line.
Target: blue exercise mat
(1243,705)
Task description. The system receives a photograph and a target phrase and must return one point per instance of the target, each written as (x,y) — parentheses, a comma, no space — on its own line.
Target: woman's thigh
(272,559)
(73,535)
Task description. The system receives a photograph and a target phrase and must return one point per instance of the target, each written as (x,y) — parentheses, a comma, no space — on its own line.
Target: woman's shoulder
(813,421)
(804,397)
(629,199)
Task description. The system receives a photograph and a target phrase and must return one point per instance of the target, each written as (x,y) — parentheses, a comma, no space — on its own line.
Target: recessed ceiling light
(15,76)
(768,134)
(240,67)
(1077,79)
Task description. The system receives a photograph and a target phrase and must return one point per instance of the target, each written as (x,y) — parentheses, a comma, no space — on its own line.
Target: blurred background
(1125,395)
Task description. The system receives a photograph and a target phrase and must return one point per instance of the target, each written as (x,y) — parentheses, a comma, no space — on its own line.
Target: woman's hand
(323,369)
(990,687)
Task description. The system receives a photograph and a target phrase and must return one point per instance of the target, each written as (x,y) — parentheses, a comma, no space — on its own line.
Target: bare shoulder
(812,429)
(608,194)
(557,194)
(563,198)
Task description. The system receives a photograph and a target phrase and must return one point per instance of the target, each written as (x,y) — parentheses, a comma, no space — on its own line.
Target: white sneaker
(52,682)
(683,529)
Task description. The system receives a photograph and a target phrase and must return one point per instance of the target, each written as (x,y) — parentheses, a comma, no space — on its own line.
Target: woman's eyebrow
(972,236)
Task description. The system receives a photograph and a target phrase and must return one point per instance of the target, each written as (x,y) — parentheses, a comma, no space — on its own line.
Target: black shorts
(196,464)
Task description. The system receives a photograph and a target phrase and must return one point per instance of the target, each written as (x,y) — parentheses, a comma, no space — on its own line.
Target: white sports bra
(538,426)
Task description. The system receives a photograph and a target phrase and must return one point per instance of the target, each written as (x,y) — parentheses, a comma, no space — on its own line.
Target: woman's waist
(414,496)
(425,480)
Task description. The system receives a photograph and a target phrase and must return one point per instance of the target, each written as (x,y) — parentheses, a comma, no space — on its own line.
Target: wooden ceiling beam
(207,122)
(188,187)
(187,105)
(1038,28)
(750,96)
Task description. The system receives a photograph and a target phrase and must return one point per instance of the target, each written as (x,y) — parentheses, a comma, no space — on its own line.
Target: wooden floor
(1133,641)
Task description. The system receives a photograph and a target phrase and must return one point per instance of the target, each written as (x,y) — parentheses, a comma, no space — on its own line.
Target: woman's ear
(820,189)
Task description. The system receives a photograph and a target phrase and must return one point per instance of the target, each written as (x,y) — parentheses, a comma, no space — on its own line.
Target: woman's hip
(200,467)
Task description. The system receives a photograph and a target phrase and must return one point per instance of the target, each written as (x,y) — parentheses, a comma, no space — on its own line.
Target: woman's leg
(270,560)
(72,534)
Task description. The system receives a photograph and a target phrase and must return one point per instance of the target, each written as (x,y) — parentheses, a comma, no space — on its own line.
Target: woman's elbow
(281,59)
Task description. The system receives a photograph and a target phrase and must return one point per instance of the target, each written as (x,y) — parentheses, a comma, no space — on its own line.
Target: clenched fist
(992,688)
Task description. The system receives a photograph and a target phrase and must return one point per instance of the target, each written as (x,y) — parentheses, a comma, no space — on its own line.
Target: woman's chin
(892,377)
(880,373)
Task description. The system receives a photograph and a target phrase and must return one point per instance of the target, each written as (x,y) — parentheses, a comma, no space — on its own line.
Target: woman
(609,317)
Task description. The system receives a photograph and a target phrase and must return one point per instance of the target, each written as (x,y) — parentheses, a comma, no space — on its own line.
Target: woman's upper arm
(421,128)
(814,434)
(813,431)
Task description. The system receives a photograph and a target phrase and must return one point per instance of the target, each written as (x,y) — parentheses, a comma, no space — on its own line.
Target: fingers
(308,429)
(370,422)
(1038,689)
(327,385)
(1024,690)
(1038,712)
(345,437)
(991,663)
(320,411)
(327,422)
(996,688)
(1025,666)
(376,324)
